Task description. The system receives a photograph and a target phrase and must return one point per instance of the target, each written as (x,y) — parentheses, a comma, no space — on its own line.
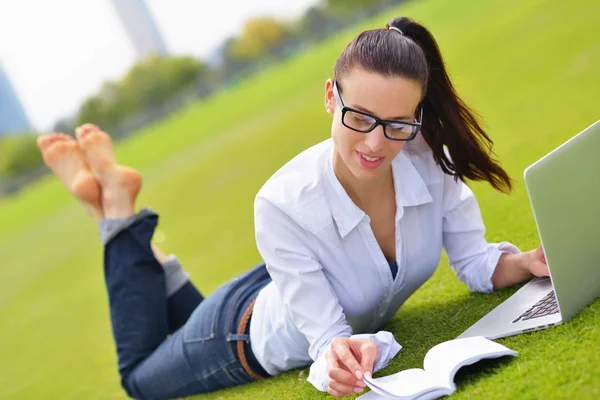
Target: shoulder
(298,190)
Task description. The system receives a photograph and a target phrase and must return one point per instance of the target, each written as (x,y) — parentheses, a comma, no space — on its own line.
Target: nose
(375,140)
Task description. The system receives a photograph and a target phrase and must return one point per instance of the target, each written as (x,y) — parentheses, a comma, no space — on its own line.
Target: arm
(290,255)
(482,266)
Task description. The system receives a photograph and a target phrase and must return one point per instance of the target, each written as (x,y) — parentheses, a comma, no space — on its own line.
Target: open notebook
(436,379)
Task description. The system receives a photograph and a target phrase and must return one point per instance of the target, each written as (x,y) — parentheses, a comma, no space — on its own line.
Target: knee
(128,384)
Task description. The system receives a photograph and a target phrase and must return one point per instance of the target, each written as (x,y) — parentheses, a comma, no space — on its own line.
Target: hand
(347,362)
(538,265)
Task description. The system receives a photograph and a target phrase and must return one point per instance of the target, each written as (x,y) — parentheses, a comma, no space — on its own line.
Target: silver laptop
(564,190)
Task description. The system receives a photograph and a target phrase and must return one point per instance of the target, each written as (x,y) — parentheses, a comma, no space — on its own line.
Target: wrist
(525,262)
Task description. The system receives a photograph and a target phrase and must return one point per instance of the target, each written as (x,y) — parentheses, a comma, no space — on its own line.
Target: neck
(363,193)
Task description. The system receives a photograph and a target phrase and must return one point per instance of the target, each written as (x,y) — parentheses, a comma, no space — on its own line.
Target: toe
(45,141)
(84,129)
(64,136)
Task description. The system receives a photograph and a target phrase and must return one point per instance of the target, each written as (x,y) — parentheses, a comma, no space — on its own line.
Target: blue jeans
(180,345)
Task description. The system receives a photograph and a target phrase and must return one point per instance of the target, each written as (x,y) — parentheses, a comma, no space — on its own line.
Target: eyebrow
(360,108)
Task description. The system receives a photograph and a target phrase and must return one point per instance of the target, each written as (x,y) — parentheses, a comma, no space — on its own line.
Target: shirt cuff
(388,348)
(495,250)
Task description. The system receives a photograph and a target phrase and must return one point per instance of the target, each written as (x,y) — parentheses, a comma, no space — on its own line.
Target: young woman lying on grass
(348,230)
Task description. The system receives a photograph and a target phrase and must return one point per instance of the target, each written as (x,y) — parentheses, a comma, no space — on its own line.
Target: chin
(366,175)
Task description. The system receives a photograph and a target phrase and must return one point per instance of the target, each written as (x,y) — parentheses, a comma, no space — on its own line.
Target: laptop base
(498,322)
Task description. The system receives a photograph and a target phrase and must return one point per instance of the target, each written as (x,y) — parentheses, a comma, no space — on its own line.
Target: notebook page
(443,360)
(405,384)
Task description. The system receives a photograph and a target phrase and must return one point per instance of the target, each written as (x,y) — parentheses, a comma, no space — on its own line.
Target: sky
(56,53)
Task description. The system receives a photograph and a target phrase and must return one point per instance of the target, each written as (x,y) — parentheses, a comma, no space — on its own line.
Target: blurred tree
(357,7)
(316,23)
(92,110)
(19,154)
(260,37)
(157,78)
(230,65)
(64,125)
(149,84)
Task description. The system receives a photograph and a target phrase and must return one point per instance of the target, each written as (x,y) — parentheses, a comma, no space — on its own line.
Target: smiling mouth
(371,159)
(369,162)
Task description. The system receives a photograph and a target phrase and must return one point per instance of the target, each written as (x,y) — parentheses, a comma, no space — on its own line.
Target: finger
(335,393)
(342,376)
(344,389)
(332,361)
(543,255)
(345,357)
(369,353)
(337,372)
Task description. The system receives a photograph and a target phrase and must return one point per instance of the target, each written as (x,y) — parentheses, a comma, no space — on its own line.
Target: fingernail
(358,390)
(358,374)
(361,384)
(368,374)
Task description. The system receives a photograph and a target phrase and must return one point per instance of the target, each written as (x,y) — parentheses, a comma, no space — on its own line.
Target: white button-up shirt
(330,276)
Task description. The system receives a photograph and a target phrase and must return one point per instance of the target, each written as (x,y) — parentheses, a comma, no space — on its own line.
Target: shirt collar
(411,190)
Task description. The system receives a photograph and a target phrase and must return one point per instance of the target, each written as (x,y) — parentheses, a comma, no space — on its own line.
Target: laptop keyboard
(546,306)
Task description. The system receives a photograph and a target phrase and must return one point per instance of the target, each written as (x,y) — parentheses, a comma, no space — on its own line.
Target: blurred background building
(140,26)
(14,118)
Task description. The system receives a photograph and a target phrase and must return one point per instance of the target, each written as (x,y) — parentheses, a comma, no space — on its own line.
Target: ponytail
(450,122)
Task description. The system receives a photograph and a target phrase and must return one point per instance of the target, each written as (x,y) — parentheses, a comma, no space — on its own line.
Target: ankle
(116,205)
(118,212)
(94,210)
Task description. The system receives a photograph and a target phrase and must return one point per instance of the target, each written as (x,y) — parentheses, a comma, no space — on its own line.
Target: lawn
(530,68)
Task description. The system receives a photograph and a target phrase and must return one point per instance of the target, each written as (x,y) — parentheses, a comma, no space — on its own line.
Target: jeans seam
(240,369)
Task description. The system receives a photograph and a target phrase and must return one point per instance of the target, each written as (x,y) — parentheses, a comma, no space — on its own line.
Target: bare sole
(63,156)
(120,184)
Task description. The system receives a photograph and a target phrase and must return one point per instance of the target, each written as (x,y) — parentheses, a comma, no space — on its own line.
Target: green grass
(529,67)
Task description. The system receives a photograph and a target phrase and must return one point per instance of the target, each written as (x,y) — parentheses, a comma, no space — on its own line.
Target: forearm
(512,269)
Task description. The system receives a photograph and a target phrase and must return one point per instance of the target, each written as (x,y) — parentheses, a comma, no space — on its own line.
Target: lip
(369,155)
(369,164)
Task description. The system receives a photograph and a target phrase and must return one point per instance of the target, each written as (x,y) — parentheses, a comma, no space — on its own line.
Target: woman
(348,229)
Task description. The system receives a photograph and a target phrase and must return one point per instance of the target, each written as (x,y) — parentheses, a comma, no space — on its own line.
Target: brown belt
(240,343)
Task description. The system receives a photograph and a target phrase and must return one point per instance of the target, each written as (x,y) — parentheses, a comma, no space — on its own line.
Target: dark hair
(448,121)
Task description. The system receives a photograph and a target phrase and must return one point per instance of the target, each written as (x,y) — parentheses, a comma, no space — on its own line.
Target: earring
(329,110)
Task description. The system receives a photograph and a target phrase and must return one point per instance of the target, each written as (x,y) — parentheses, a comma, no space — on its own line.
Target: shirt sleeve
(388,348)
(289,254)
(473,259)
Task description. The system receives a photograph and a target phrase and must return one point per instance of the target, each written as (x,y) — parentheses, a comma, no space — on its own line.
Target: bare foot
(120,185)
(63,156)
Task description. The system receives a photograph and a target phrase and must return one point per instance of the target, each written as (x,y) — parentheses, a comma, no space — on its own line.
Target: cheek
(345,141)
(339,135)
(396,147)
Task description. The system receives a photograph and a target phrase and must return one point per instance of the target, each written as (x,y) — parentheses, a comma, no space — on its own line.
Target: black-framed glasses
(362,122)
